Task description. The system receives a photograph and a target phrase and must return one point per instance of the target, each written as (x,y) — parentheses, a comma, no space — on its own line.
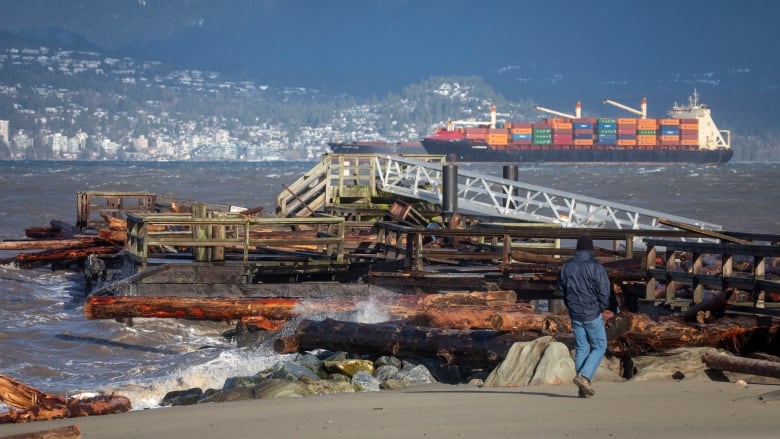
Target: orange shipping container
(689,142)
(646,137)
(626,121)
(583,141)
(668,138)
(626,142)
(645,142)
(561,125)
(668,121)
(498,139)
(528,130)
(689,126)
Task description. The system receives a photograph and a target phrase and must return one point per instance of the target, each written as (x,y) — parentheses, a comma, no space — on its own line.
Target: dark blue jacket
(585,286)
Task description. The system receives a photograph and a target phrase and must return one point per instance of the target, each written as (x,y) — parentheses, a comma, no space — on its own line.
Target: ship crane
(641,113)
(577,111)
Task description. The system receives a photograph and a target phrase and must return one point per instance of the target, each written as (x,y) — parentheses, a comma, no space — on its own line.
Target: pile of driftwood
(473,330)
(28,404)
(58,245)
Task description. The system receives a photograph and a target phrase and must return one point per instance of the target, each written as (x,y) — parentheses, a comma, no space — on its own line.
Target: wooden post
(200,233)
(218,232)
(698,288)
(650,265)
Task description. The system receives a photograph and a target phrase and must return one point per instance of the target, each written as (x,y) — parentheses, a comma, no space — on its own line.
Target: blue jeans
(590,340)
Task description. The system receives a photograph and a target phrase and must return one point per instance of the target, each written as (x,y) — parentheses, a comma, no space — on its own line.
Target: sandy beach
(654,409)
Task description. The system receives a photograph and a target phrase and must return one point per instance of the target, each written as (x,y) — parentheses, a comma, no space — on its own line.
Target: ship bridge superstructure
(710,137)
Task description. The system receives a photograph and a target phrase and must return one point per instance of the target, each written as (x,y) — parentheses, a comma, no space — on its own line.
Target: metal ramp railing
(480,194)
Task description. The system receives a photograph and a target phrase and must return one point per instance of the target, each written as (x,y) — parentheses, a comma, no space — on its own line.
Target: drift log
(69,432)
(50,244)
(469,298)
(35,405)
(457,317)
(630,333)
(526,322)
(109,307)
(478,349)
(61,255)
(742,365)
(262,323)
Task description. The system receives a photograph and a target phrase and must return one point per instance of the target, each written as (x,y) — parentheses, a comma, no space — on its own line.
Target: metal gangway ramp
(481,194)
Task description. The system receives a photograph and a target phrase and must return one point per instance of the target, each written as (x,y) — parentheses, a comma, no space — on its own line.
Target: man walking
(586,290)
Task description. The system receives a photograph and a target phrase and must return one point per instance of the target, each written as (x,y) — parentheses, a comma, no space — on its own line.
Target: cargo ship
(377,147)
(687,135)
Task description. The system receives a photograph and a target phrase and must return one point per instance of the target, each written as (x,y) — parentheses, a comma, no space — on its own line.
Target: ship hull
(382,148)
(468,152)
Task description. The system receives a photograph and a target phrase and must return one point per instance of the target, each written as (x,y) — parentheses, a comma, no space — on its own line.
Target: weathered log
(630,333)
(113,235)
(733,363)
(38,232)
(209,308)
(65,229)
(468,298)
(715,306)
(471,348)
(262,323)
(51,244)
(69,432)
(110,307)
(525,322)
(35,405)
(457,317)
(61,255)
(287,344)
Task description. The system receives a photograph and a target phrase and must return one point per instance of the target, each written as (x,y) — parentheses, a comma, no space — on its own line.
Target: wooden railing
(208,238)
(113,203)
(696,276)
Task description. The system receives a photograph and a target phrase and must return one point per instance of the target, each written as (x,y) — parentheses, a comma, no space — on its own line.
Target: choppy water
(46,342)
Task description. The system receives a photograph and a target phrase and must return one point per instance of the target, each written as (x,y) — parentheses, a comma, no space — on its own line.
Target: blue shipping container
(521,136)
(583,125)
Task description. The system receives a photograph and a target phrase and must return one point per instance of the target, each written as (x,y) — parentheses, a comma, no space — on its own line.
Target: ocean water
(46,342)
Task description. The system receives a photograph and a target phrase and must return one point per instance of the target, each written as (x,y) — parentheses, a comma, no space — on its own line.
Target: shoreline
(651,409)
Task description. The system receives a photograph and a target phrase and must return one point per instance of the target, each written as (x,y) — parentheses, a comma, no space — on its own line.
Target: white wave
(209,375)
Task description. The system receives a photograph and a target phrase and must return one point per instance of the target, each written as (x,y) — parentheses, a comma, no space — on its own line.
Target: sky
(383,45)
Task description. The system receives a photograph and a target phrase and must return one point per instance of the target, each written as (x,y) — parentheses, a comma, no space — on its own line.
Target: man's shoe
(584,385)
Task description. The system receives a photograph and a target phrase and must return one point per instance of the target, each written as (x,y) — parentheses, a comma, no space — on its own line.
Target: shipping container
(521,130)
(626,121)
(646,132)
(689,142)
(668,121)
(689,126)
(583,142)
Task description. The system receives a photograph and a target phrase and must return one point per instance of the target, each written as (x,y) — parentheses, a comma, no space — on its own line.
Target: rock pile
(311,374)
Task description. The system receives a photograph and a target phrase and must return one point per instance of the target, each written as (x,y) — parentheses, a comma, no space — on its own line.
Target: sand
(660,409)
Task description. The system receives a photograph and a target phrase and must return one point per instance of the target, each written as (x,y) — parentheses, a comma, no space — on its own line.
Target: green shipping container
(606,131)
(646,132)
